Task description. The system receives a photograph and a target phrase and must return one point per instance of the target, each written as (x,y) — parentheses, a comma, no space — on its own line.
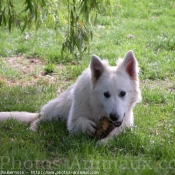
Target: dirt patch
(167,84)
(24,65)
(31,71)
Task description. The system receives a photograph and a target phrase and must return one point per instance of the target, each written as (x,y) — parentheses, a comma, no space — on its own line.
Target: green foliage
(75,16)
(49,69)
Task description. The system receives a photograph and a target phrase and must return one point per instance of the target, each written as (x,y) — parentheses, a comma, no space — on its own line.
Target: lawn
(147,28)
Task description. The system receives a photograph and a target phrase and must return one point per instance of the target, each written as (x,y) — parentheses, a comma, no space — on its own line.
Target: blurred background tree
(76,17)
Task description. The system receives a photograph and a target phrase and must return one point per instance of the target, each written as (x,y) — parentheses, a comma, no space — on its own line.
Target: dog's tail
(24,117)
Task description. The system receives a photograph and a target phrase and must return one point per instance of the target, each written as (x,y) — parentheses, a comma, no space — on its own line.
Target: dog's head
(116,89)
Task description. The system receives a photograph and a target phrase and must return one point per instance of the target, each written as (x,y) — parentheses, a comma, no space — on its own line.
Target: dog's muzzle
(115,122)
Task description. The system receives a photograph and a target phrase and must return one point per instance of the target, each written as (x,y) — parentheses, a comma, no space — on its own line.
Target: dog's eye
(122,94)
(107,94)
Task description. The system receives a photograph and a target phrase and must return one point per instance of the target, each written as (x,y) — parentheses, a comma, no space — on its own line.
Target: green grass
(146,149)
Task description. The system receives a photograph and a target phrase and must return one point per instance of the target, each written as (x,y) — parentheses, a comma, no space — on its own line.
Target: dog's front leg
(82,124)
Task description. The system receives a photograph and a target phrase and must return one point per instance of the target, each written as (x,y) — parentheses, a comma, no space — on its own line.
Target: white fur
(24,117)
(84,103)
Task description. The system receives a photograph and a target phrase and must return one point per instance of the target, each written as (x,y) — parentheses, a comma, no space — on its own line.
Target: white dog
(101,90)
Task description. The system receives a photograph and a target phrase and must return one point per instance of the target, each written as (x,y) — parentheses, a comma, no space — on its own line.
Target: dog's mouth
(117,123)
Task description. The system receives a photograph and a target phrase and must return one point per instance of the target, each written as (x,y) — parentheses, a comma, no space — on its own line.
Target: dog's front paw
(102,141)
(89,127)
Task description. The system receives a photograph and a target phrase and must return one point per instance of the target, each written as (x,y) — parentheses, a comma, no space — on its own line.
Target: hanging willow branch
(75,16)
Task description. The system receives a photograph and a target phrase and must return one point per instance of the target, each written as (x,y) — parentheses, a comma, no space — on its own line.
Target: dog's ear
(96,67)
(130,65)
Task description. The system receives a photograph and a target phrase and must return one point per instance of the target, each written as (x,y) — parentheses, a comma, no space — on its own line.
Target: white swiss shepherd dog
(101,90)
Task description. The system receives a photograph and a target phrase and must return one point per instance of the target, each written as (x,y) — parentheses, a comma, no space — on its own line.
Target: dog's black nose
(114,116)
